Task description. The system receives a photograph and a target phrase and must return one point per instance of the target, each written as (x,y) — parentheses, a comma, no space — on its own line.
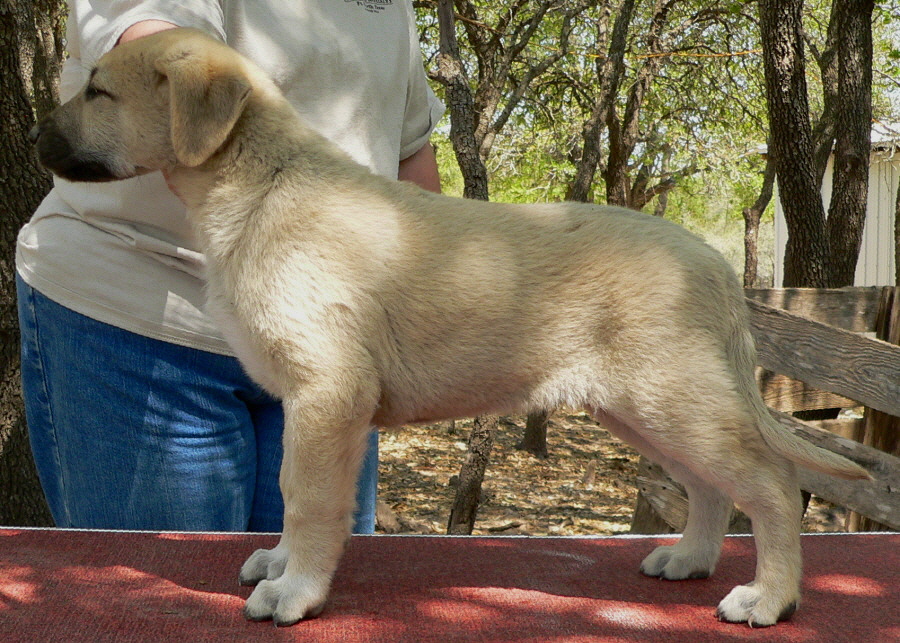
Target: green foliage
(706,199)
(448,168)
(702,119)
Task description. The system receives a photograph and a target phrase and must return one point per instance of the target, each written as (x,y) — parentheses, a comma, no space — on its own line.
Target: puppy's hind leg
(763,483)
(771,497)
(324,444)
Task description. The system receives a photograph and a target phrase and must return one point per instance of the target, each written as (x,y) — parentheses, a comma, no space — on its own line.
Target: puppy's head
(151,104)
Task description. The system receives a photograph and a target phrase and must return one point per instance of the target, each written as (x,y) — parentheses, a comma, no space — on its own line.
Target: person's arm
(144,28)
(421,168)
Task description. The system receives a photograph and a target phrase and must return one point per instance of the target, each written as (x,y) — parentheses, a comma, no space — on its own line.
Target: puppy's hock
(358,300)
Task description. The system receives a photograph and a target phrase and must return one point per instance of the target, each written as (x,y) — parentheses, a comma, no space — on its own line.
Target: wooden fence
(819,349)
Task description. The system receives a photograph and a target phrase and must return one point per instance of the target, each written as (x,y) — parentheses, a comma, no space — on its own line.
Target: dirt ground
(586,485)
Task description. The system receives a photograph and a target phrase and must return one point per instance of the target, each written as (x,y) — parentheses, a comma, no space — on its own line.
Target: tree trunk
(535,439)
(646,519)
(30,54)
(853,125)
(468,493)
(752,216)
(452,75)
(625,132)
(504,74)
(827,61)
(610,75)
(462,134)
(791,143)
(610,71)
(662,204)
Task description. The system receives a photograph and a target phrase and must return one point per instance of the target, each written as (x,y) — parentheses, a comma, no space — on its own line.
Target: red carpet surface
(60,585)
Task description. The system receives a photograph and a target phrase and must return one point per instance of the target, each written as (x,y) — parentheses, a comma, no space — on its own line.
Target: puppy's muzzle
(57,153)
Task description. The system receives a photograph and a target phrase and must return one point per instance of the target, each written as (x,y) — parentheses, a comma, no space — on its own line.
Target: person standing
(139,415)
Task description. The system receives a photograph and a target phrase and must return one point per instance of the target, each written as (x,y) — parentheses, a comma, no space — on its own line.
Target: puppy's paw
(746,604)
(263,564)
(673,563)
(287,599)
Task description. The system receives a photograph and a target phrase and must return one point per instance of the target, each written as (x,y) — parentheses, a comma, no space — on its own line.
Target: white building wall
(876,256)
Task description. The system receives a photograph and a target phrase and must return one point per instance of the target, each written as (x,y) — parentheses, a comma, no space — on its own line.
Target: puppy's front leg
(323,453)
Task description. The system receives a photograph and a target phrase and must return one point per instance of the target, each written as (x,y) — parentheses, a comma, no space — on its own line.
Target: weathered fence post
(880,430)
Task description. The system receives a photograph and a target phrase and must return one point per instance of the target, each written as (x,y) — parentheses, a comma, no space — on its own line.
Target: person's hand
(144,28)
(172,187)
(139,30)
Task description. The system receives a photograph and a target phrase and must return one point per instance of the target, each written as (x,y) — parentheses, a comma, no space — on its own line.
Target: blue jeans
(130,432)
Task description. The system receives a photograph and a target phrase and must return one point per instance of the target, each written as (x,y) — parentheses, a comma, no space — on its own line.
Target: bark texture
(30,55)
(853,126)
(791,146)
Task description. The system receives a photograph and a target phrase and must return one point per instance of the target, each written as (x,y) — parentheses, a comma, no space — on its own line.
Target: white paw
(287,599)
(673,563)
(264,564)
(746,604)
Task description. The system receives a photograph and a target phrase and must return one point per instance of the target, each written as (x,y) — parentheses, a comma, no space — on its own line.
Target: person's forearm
(421,169)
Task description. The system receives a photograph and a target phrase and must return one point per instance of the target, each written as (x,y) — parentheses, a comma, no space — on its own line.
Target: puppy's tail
(777,436)
(805,453)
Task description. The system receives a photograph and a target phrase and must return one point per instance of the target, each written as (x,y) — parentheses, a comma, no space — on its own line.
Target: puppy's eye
(92,92)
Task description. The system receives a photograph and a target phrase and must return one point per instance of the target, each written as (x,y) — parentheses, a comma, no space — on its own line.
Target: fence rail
(827,357)
(817,349)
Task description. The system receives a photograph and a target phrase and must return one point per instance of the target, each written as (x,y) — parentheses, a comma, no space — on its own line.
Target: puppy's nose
(34,134)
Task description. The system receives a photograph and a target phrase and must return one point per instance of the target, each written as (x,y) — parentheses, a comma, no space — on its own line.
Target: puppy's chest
(248,346)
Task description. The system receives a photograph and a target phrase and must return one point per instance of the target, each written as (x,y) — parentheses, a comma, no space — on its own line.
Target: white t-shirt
(122,252)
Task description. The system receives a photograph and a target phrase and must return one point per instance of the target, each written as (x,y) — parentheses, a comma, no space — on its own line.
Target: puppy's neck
(269,146)
(233,163)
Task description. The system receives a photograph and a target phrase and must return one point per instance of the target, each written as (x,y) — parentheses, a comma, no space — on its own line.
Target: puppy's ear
(205,100)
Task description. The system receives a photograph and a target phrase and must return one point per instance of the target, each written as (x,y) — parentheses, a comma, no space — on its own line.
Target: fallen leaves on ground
(586,486)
